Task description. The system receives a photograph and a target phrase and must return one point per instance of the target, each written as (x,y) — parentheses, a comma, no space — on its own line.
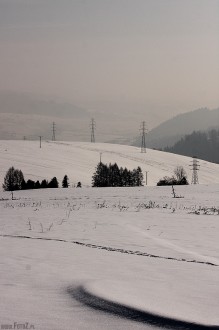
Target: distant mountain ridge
(170,131)
(23,115)
(26,104)
(26,115)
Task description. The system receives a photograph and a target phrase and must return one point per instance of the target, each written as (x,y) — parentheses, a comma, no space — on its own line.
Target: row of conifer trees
(14,180)
(105,176)
(113,176)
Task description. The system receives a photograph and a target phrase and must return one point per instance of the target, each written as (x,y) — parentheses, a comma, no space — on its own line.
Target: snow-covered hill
(79,258)
(79,159)
(67,255)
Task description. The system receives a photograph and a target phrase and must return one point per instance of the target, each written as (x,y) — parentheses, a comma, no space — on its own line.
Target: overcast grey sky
(159,57)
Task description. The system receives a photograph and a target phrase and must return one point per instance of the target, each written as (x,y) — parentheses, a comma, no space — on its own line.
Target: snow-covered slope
(79,159)
(137,253)
(67,255)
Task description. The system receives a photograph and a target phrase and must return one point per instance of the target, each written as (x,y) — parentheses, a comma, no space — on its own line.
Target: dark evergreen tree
(18,179)
(30,184)
(13,179)
(44,184)
(79,184)
(65,182)
(37,185)
(139,177)
(116,176)
(9,180)
(112,176)
(130,182)
(123,176)
(100,177)
(23,185)
(53,183)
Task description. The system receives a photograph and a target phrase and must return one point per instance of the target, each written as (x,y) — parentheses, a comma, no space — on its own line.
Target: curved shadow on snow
(80,294)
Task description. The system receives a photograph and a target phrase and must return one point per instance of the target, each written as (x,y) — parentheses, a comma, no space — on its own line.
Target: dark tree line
(14,180)
(113,176)
(203,145)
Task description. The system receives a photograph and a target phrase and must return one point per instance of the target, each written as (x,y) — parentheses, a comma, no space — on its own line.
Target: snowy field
(79,159)
(116,258)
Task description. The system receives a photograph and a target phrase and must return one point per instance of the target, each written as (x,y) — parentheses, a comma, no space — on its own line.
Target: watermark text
(16,325)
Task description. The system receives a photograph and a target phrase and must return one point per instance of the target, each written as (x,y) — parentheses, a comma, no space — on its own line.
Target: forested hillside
(204,145)
(171,131)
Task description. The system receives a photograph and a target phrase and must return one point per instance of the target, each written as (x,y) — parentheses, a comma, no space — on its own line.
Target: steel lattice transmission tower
(53,131)
(195,168)
(92,127)
(40,140)
(143,134)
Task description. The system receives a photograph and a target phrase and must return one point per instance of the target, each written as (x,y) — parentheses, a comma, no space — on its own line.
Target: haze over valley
(121,62)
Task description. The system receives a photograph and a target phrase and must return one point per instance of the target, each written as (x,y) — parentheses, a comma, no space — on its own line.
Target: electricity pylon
(143,134)
(40,140)
(53,131)
(195,168)
(92,127)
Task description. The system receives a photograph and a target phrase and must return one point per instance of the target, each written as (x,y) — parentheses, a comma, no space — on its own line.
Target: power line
(92,127)
(143,134)
(195,168)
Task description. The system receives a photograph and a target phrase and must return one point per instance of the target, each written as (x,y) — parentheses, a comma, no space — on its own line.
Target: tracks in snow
(112,249)
(122,155)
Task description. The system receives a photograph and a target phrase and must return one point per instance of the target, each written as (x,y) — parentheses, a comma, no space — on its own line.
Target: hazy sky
(156,56)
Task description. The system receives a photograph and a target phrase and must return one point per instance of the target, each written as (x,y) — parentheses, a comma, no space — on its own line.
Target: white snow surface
(79,159)
(139,247)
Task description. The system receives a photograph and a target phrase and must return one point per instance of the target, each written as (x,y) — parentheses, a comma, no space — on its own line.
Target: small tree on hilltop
(65,182)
